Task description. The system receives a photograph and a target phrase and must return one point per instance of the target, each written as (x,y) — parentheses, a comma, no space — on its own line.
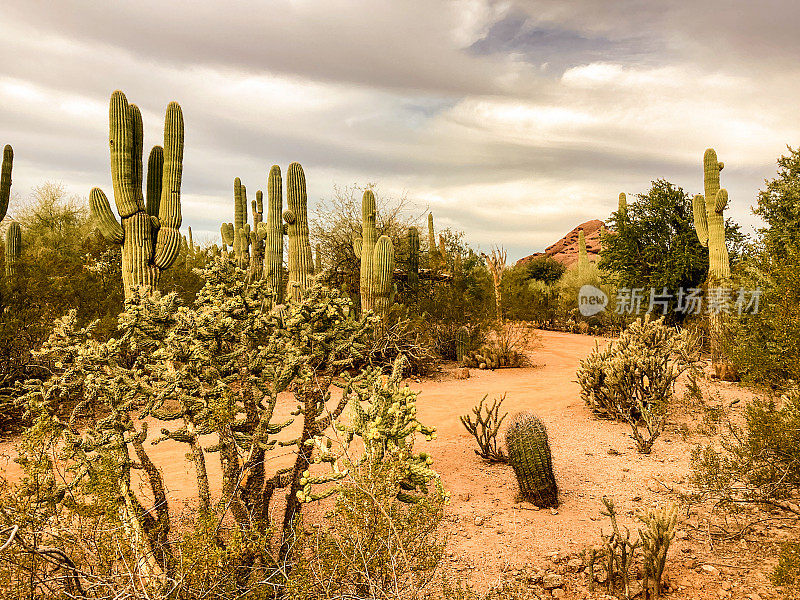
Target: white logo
(591,300)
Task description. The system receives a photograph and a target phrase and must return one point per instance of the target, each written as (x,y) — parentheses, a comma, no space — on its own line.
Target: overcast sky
(511,121)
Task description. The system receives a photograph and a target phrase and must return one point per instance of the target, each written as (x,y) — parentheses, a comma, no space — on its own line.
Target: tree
(779,206)
(653,245)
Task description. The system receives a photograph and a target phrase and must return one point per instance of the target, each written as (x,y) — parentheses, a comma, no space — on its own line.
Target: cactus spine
(413,259)
(301,266)
(273,239)
(13,248)
(5,180)
(529,455)
(383,264)
(583,255)
(149,233)
(369,236)
(709,221)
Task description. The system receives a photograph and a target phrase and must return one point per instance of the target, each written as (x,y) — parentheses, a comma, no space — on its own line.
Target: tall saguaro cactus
(709,221)
(5,180)
(432,249)
(150,229)
(301,265)
(273,238)
(13,248)
(413,259)
(583,255)
(369,235)
(383,264)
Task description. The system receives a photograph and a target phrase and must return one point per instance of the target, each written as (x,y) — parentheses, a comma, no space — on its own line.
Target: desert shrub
(632,378)
(404,334)
(787,571)
(569,287)
(370,545)
(527,290)
(464,305)
(213,369)
(485,428)
(757,462)
(507,346)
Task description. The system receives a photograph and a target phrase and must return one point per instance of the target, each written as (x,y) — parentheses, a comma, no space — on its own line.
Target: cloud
(513,121)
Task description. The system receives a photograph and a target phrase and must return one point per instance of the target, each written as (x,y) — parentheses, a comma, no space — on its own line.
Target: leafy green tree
(779,205)
(654,244)
(544,268)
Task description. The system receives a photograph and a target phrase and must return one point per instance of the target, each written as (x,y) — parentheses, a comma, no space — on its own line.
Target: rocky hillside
(565,250)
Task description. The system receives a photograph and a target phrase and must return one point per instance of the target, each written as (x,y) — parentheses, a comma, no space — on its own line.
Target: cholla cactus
(632,378)
(656,537)
(13,248)
(150,231)
(528,451)
(385,418)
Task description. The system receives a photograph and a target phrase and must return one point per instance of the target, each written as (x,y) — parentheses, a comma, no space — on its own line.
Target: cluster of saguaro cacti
(377,261)
(528,451)
(149,232)
(709,221)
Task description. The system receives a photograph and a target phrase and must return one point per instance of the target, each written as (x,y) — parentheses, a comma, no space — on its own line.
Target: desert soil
(493,537)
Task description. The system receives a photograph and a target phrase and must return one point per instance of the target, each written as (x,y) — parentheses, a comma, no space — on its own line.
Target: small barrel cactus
(529,455)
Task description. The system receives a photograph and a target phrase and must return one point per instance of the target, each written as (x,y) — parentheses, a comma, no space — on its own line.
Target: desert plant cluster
(276,367)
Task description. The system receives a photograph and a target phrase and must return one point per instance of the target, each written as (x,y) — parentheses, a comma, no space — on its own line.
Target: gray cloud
(447,102)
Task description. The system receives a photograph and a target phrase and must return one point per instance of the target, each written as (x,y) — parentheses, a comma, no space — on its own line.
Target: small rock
(574,565)
(681,534)
(552,581)
(553,511)
(636,499)
(754,596)
(635,588)
(462,373)
(711,569)
(613,452)
(558,593)
(725,585)
(479,521)
(464,497)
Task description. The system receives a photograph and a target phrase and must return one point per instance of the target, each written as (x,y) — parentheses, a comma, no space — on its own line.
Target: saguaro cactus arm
(5,180)
(169,209)
(104,217)
(700,221)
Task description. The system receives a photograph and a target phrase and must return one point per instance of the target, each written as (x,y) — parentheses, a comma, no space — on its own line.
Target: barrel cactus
(13,248)
(709,221)
(301,265)
(5,180)
(150,229)
(528,451)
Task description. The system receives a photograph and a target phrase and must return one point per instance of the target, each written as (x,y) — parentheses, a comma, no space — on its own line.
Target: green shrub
(757,462)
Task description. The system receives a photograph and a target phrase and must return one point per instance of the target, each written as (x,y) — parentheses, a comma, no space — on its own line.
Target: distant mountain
(565,250)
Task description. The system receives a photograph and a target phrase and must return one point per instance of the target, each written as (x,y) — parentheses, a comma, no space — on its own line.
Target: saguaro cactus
(583,255)
(13,248)
(709,221)
(5,180)
(273,239)
(383,264)
(369,236)
(301,265)
(150,232)
(413,259)
(432,249)
(257,236)
(528,452)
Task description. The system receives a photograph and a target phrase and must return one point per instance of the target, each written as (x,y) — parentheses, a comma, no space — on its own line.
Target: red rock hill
(565,250)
